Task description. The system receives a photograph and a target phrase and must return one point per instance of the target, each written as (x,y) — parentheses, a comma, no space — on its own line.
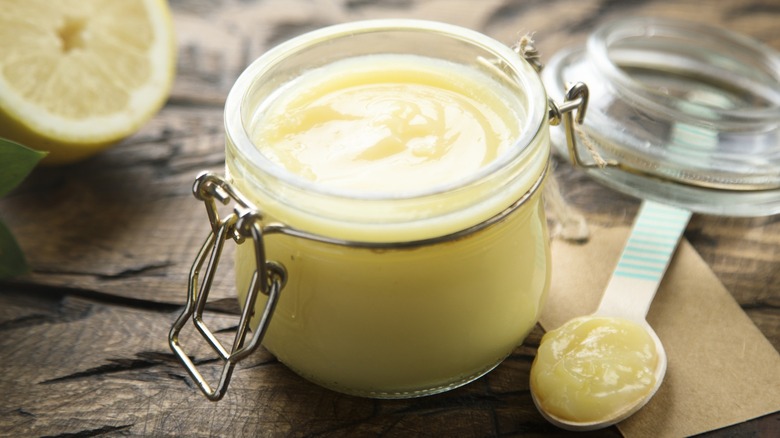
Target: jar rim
(235,117)
(690,36)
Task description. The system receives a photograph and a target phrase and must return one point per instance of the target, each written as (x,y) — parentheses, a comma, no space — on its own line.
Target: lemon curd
(387,124)
(593,367)
(418,257)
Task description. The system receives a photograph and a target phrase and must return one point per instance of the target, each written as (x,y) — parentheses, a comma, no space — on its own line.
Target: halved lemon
(77,76)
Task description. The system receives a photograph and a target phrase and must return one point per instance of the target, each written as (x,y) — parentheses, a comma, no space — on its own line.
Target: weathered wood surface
(83,338)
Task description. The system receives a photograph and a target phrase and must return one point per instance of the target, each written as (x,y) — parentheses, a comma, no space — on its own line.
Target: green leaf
(12,261)
(16,162)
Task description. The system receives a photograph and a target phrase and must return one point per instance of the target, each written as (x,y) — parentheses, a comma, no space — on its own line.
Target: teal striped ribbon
(654,237)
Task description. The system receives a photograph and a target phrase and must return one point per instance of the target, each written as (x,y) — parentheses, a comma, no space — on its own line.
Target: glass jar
(690,111)
(385,295)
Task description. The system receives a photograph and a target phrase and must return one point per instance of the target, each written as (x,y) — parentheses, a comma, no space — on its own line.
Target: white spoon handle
(654,237)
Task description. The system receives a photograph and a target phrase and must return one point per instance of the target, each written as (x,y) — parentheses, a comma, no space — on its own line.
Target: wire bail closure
(576,98)
(268,279)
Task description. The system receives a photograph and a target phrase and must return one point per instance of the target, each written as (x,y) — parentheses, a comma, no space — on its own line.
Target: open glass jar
(689,110)
(391,293)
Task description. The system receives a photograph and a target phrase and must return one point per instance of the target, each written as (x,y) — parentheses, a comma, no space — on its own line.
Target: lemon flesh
(77,76)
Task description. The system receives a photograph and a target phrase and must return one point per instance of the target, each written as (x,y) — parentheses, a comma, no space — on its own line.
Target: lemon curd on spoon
(593,368)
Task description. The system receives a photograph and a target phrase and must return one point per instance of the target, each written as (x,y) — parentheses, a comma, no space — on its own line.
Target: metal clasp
(576,99)
(269,278)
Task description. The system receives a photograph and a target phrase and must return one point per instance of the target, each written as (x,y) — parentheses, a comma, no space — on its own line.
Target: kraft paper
(722,370)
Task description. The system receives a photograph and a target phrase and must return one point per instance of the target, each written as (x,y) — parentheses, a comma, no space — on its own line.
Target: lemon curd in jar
(387,124)
(419,179)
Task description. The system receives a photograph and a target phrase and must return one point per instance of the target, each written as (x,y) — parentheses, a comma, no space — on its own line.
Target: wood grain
(111,240)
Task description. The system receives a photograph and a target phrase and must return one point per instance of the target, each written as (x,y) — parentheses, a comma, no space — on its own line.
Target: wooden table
(111,240)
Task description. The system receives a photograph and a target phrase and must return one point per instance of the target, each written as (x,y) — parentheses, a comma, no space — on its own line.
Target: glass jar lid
(690,111)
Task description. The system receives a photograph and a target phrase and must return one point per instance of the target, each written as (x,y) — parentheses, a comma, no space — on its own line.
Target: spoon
(654,237)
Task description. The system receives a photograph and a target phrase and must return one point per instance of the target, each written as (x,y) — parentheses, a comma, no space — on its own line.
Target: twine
(590,145)
(570,224)
(525,47)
